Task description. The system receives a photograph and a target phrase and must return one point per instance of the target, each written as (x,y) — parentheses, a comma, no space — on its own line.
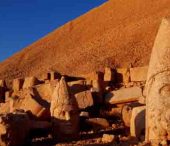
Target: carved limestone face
(64,110)
(159,105)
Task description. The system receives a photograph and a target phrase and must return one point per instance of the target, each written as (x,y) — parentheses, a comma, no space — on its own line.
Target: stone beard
(159,106)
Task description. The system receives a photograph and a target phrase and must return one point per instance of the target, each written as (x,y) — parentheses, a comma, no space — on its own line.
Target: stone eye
(165,90)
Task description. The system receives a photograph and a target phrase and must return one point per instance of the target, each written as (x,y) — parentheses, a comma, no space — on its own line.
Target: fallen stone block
(123,95)
(137,122)
(122,75)
(108,74)
(138,74)
(30,82)
(17,84)
(98,123)
(84,99)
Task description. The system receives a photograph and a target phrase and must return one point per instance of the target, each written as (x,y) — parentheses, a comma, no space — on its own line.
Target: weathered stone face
(158,88)
(64,111)
(159,107)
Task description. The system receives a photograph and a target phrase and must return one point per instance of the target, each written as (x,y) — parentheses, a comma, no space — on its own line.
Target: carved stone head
(64,111)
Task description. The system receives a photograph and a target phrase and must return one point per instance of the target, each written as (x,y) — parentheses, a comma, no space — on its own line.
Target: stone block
(123,95)
(30,82)
(122,75)
(98,123)
(17,84)
(137,122)
(108,74)
(138,74)
(84,99)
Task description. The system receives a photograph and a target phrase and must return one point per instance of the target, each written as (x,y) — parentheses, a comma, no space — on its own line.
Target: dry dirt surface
(117,33)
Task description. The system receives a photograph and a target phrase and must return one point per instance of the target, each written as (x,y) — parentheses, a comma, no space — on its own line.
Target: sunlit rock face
(64,112)
(158,88)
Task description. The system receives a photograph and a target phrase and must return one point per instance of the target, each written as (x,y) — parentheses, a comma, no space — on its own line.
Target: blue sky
(24,21)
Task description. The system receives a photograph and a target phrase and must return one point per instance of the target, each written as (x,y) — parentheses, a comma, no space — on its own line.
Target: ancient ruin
(99,91)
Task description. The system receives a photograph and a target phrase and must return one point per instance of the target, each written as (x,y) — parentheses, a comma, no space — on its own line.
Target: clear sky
(24,21)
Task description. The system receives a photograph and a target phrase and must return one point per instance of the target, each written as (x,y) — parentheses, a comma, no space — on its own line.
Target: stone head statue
(64,111)
(158,87)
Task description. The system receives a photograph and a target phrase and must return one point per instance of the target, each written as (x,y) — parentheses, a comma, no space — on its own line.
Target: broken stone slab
(138,74)
(14,129)
(84,99)
(123,95)
(30,82)
(108,75)
(122,75)
(137,122)
(97,123)
(17,84)
(158,87)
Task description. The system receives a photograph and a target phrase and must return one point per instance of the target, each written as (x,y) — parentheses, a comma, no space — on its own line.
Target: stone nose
(67,116)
